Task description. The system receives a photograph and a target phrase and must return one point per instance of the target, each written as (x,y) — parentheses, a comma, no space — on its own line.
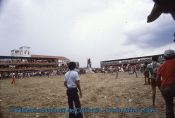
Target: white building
(15,52)
(23,51)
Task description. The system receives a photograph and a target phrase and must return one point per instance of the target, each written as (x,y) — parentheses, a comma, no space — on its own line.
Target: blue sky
(81,29)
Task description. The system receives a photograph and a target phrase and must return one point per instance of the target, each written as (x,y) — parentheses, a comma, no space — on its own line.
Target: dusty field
(124,92)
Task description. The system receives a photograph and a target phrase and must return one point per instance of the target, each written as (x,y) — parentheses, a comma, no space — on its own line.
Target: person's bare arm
(158,81)
(79,88)
(158,78)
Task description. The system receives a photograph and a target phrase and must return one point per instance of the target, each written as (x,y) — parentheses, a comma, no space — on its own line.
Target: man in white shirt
(72,83)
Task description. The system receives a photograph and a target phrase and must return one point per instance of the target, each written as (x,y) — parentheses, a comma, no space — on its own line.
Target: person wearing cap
(72,83)
(167,84)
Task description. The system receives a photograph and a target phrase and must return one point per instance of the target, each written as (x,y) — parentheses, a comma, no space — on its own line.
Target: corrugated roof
(46,56)
(14,50)
(24,47)
(133,58)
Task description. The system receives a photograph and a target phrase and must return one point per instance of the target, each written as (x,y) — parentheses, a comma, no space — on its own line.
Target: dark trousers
(168,93)
(73,99)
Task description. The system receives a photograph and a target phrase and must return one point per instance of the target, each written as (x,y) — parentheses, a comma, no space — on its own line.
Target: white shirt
(71,77)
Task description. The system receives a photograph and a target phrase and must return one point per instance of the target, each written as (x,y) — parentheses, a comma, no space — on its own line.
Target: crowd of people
(158,75)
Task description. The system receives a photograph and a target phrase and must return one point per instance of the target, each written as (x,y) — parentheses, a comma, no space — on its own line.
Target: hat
(169,53)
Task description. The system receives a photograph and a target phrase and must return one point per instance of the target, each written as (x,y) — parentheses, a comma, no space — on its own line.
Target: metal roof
(133,58)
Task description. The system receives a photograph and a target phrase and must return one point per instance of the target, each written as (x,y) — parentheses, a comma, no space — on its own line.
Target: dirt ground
(102,91)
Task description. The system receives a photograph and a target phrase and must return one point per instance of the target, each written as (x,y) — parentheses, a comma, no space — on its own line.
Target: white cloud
(78,29)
